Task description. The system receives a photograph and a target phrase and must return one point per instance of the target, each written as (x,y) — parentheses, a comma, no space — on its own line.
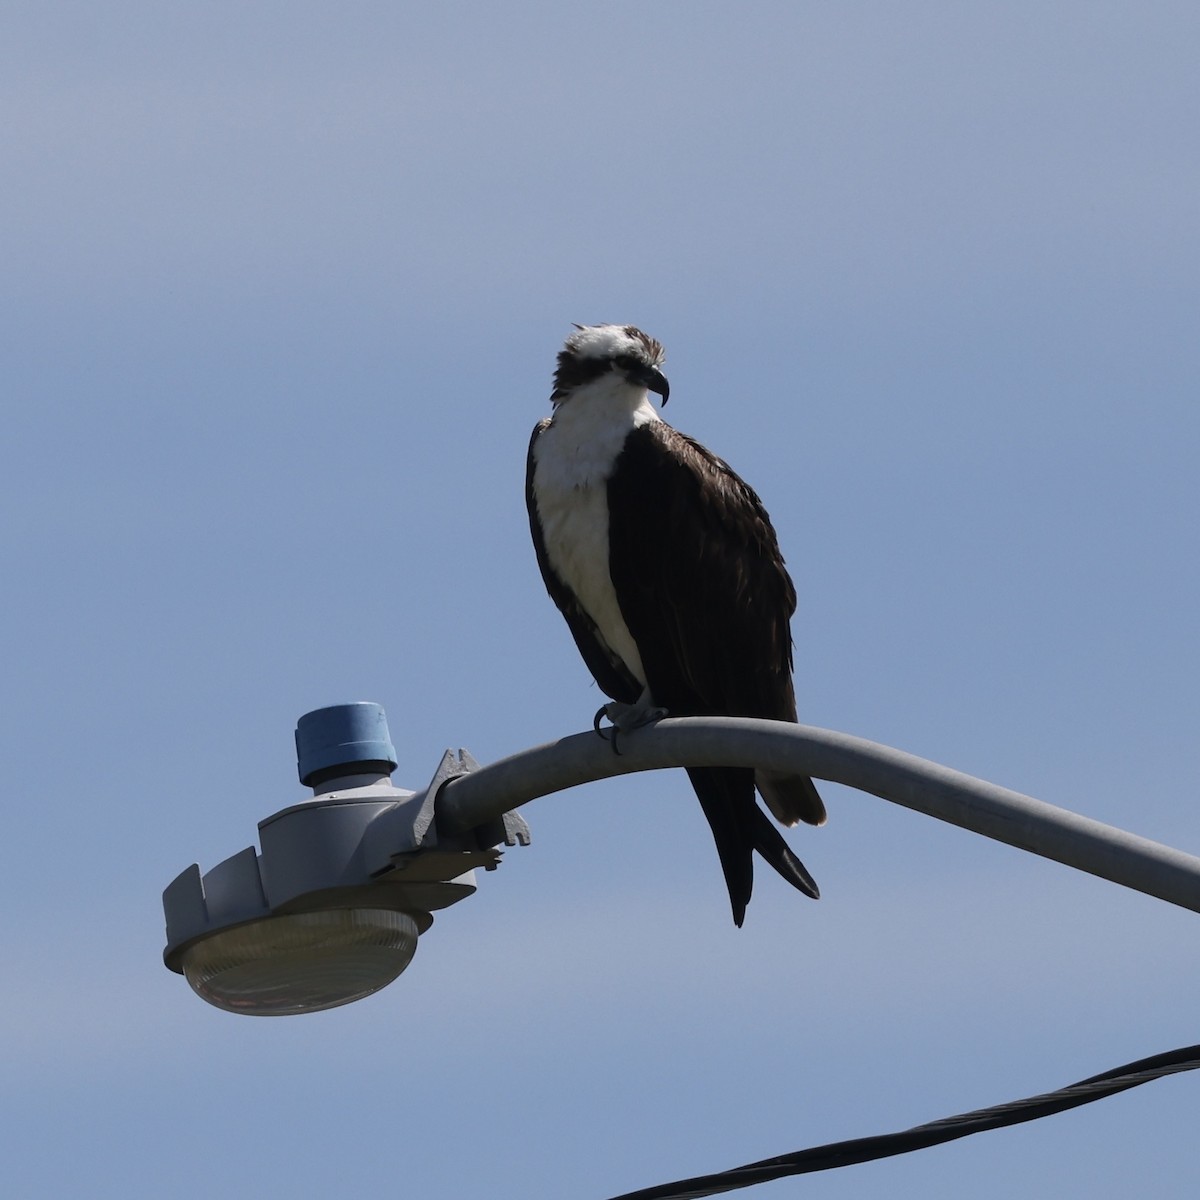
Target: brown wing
(705,593)
(701,581)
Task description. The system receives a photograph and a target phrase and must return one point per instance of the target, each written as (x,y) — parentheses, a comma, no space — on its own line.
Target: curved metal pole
(1134,862)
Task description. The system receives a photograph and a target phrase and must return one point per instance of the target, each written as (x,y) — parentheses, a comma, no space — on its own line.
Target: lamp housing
(330,907)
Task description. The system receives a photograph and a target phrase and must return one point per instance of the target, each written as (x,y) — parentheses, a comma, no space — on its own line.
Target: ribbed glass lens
(303,962)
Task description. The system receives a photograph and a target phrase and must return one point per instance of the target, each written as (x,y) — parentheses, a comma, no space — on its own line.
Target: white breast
(573,459)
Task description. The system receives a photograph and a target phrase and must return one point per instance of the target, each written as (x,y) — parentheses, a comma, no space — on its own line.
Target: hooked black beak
(652,379)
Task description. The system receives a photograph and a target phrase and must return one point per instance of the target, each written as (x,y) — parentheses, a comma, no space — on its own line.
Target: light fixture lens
(302,962)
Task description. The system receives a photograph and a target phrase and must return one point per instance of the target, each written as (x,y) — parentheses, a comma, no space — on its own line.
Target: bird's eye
(625,362)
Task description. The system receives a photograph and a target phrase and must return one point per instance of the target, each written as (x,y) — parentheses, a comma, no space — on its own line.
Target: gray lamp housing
(360,845)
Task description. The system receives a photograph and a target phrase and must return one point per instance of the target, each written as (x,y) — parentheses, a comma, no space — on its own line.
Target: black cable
(859,1150)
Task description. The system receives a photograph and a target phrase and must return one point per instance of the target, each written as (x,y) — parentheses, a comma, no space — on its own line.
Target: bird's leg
(627,717)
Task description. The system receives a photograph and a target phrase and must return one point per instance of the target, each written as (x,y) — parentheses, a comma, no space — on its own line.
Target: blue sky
(282,289)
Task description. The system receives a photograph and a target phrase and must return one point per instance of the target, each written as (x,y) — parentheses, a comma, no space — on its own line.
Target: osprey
(666,568)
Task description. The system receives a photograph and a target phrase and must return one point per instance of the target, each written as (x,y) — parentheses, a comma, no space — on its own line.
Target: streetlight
(331,908)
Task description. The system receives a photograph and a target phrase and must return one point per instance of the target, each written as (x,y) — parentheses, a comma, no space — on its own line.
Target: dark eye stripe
(574,372)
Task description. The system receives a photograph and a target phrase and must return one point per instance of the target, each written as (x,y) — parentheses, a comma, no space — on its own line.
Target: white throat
(573,460)
(589,428)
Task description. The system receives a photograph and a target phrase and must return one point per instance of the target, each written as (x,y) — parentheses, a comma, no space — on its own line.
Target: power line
(860,1150)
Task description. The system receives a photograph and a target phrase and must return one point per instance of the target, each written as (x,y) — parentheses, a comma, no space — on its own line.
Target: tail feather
(740,827)
(721,792)
(768,841)
(791,798)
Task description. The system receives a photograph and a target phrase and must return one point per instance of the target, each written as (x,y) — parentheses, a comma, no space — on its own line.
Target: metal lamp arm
(484,795)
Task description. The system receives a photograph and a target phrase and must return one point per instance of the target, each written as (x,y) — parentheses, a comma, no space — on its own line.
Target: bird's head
(619,352)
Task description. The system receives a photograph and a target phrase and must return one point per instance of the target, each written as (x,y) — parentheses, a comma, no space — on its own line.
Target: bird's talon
(605,710)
